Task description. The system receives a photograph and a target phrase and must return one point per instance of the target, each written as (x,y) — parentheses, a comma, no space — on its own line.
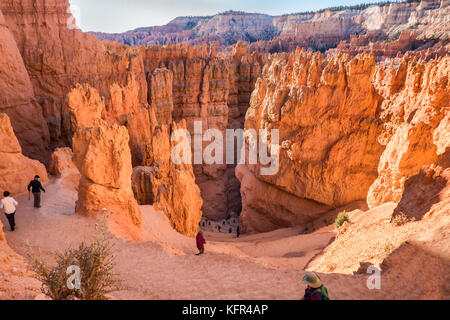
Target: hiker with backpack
(8,204)
(315,289)
(200,243)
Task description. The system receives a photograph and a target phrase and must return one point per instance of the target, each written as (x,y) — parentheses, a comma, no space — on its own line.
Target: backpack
(324,293)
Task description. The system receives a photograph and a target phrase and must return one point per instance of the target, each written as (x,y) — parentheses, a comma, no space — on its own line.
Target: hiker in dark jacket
(315,289)
(35,186)
(200,243)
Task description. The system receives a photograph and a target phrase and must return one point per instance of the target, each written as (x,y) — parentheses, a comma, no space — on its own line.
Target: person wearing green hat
(315,289)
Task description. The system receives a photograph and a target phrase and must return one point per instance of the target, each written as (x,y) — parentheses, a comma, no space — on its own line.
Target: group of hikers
(315,289)
(9,204)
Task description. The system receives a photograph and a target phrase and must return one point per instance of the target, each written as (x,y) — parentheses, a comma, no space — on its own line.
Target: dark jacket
(313,294)
(200,241)
(35,186)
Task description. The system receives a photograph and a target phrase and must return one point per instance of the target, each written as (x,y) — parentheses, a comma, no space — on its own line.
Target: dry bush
(96,263)
(340,219)
(399,220)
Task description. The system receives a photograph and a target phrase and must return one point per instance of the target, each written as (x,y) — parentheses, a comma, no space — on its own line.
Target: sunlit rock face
(57,56)
(17,98)
(348,130)
(168,186)
(208,89)
(415,114)
(103,157)
(16,170)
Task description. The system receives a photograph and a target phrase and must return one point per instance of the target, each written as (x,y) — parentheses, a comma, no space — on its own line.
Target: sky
(123,15)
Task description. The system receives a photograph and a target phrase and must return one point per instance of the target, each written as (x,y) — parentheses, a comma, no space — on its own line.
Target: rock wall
(57,56)
(130,81)
(212,90)
(377,44)
(17,98)
(61,161)
(349,130)
(168,186)
(415,112)
(16,170)
(103,158)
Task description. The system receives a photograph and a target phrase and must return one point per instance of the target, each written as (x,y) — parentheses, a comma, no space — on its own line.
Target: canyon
(319,30)
(360,99)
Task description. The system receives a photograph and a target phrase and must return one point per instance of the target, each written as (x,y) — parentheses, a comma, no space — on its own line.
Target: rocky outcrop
(57,56)
(168,186)
(17,98)
(16,170)
(349,130)
(103,157)
(327,116)
(61,161)
(415,112)
(160,96)
(101,152)
(161,183)
(214,91)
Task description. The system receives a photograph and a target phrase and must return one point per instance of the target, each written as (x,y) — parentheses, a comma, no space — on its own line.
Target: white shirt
(8,204)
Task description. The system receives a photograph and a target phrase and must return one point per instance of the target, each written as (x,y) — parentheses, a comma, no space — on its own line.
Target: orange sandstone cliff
(16,170)
(349,130)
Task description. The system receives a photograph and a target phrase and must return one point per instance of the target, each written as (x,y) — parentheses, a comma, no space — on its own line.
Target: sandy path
(163,268)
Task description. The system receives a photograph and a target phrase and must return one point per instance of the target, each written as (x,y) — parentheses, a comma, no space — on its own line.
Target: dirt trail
(264,266)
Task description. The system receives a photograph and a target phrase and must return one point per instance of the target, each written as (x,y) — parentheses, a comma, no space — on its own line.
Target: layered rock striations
(102,155)
(349,130)
(326,112)
(130,81)
(57,55)
(319,30)
(17,98)
(415,112)
(16,170)
(214,91)
(167,185)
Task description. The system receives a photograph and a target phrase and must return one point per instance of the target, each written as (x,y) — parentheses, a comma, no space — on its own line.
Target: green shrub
(340,219)
(96,263)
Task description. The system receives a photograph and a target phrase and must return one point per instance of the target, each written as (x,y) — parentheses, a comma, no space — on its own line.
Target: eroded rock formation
(168,186)
(427,192)
(349,130)
(17,98)
(415,112)
(57,55)
(61,161)
(327,116)
(103,157)
(16,170)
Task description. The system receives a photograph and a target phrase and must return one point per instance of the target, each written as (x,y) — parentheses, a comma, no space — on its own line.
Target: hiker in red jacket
(200,243)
